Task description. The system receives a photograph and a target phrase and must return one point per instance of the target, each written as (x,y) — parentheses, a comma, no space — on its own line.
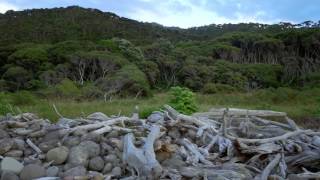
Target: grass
(298,104)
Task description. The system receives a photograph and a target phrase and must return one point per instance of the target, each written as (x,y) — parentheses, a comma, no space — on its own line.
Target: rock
(72,141)
(52,171)
(316,141)
(156,117)
(53,135)
(78,156)
(76,171)
(9,176)
(110,158)
(117,143)
(18,144)
(47,145)
(14,153)
(11,165)
(64,122)
(32,171)
(92,148)
(91,137)
(116,171)
(3,134)
(96,175)
(5,145)
(105,148)
(58,155)
(98,116)
(107,168)
(96,163)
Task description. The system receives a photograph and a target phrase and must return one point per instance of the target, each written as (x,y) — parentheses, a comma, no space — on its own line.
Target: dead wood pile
(220,144)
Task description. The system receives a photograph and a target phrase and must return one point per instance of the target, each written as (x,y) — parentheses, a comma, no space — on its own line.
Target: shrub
(67,88)
(22,98)
(89,91)
(211,88)
(183,100)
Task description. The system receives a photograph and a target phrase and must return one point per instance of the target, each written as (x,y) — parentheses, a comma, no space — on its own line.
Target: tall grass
(298,104)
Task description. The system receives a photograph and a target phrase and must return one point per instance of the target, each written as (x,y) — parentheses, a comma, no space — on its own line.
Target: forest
(88,54)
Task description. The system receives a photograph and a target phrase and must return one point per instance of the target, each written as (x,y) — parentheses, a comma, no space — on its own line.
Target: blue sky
(190,13)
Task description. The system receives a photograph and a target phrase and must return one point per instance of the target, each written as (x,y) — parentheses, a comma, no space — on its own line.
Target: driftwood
(220,144)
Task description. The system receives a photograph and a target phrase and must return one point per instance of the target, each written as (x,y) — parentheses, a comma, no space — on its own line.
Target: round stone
(32,171)
(9,164)
(116,171)
(52,171)
(58,155)
(5,145)
(96,163)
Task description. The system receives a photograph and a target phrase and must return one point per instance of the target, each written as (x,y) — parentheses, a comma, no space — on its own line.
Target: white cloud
(5,6)
(198,15)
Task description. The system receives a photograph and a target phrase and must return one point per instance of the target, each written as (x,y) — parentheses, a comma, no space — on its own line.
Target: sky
(189,13)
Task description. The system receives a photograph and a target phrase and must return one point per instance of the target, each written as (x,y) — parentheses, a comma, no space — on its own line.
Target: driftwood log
(220,144)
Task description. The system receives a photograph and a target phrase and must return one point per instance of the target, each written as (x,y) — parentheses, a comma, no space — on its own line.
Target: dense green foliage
(89,54)
(183,100)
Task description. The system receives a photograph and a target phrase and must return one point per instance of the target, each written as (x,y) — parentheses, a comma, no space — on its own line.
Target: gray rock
(106,148)
(52,171)
(52,135)
(3,134)
(64,122)
(76,171)
(72,141)
(96,163)
(14,153)
(78,156)
(98,116)
(107,168)
(9,176)
(32,171)
(58,155)
(116,171)
(5,145)
(91,147)
(18,144)
(156,117)
(316,141)
(110,158)
(47,145)
(175,162)
(96,175)
(11,165)
(91,137)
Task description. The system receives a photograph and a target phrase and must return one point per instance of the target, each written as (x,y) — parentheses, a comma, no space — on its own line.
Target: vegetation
(183,100)
(88,55)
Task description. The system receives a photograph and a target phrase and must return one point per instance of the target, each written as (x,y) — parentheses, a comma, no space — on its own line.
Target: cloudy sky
(190,13)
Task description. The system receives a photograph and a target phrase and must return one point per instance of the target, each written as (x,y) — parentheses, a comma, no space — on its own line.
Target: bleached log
(197,156)
(269,122)
(143,160)
(266,172)
(33,146)
(242,112)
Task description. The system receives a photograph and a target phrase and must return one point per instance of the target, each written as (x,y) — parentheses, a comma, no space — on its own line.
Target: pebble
(76,171)
(116,171)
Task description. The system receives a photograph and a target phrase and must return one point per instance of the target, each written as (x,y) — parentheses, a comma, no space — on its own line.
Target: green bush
(67,88)
(211,88)
(22,98)
(4,104)
(183,100)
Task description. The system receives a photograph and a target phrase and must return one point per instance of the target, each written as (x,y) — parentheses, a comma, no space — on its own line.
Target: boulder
(9,164)
(96,163)
(14,153)
(92,148)
(58,155)
(78,156)
(5,145)
(116,171)
(76,171)
(52,171)
(9,176)
(107,168)
(32,171)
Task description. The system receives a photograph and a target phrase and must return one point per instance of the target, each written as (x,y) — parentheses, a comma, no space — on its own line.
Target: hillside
(99,54)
